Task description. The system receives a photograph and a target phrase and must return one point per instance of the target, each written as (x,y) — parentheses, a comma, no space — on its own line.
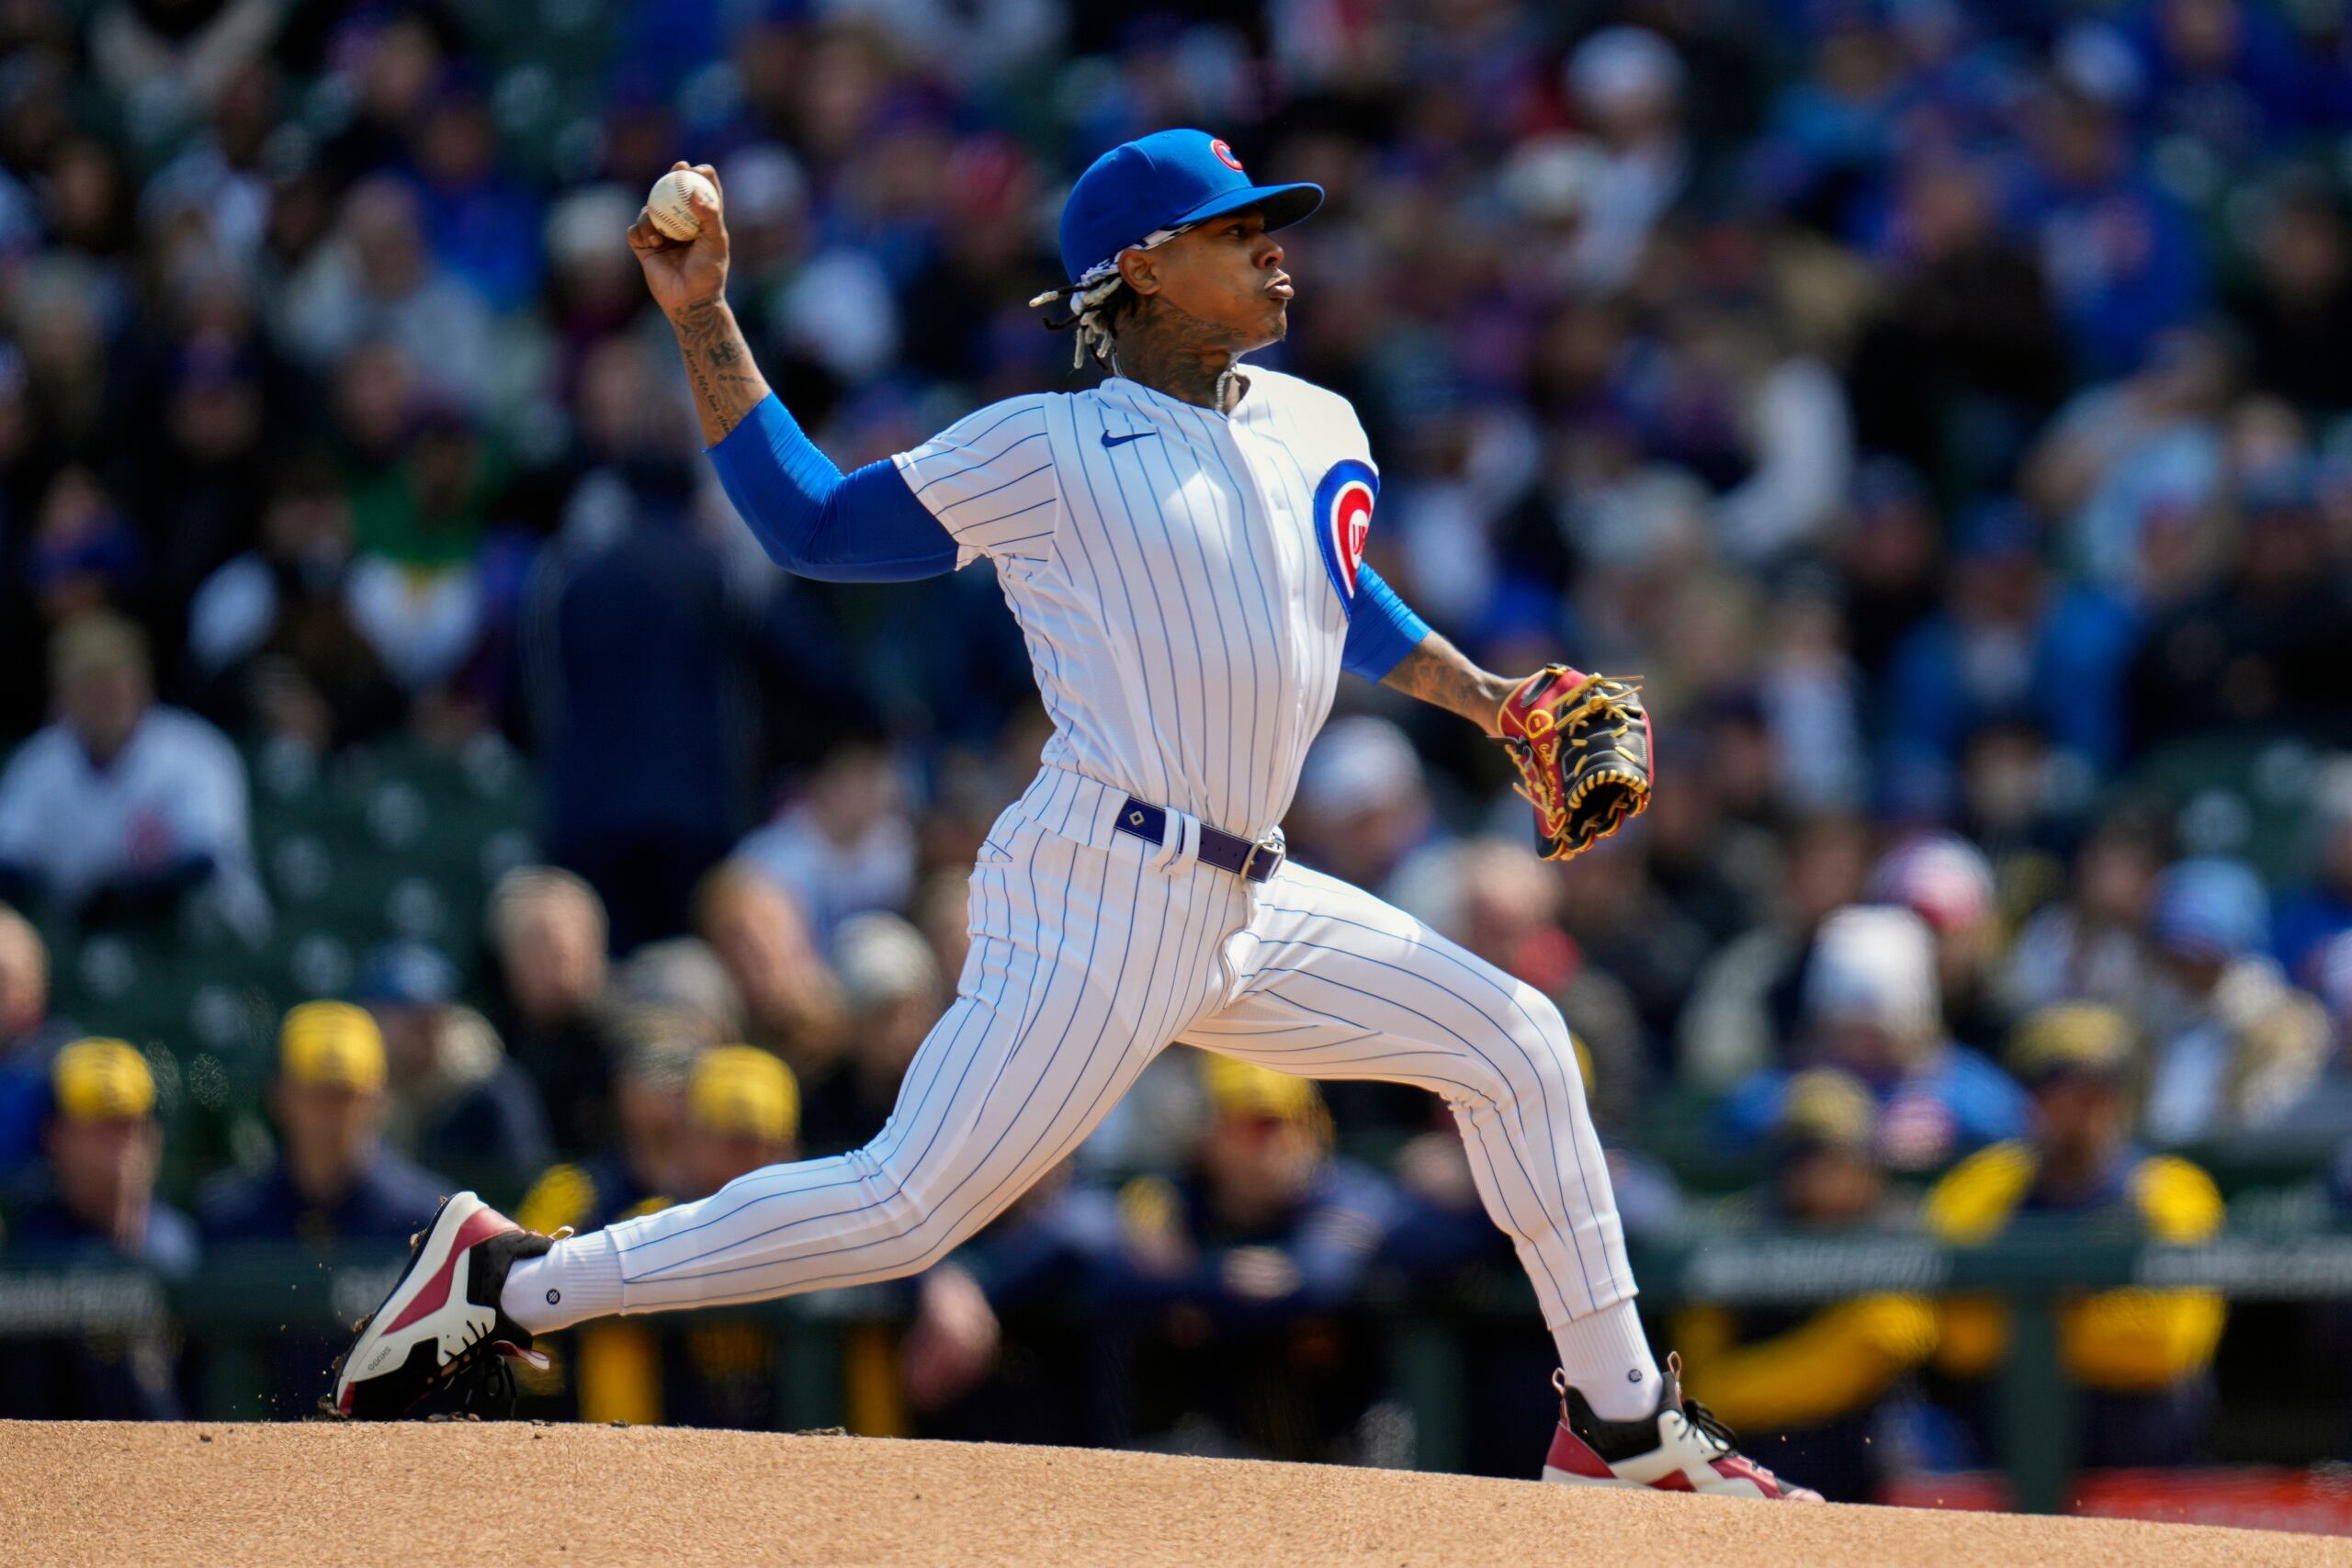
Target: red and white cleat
(443,1316)
(1679,1447)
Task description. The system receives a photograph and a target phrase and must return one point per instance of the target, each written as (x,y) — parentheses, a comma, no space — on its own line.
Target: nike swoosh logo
(1110,440)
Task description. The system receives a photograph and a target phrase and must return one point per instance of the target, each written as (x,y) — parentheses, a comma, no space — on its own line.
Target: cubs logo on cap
(1164,181)
(1343,503)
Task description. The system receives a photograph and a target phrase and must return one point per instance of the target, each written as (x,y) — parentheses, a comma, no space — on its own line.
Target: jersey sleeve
(989,480)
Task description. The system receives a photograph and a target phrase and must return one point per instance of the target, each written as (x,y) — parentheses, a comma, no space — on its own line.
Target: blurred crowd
(1942,406)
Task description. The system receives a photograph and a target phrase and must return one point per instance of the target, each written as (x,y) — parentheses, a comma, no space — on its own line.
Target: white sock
(577,1279)
(1607,1357)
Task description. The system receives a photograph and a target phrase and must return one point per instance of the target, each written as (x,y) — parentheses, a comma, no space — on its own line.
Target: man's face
(1831,1186)
(713,1158)
(104,705)
(329,1127)
(1223,280)
(1256,1166)
(760,936)
(652,1118)
(1868,1049)
(103,1165)
(410,1037)
(2082,1118)
(555,964)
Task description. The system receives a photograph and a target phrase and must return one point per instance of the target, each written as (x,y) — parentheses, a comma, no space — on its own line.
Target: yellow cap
(2072,1037)
(99,1080)
(332,1045)
(744,1089)
(1244,1088)
(1827,1108)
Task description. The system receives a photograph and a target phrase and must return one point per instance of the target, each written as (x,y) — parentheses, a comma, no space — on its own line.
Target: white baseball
(668,207)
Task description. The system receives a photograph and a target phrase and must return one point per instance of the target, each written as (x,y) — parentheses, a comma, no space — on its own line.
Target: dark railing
(243,1296)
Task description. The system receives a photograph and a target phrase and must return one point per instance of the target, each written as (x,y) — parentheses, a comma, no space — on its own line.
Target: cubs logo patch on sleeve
(1343,504)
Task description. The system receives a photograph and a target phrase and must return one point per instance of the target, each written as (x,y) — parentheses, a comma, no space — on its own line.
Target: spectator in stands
(639,1169)
(894,993)
(1967,357)
(792,998)
(845,846)
(2123,459)
(2141,1359)
(647,760)
(124,809)
(29,1037)
(1362,807)
(332,1187)
(547,939)
(1814,1385)
(1947,882)
(2297,311)
(97,1208)
(1628,83)
(458,1102)
(331,1180)
(1228,1273)
(2092,945)
(379,279)
(1747,1002)
(1498,899)
(2123,259)
(271,634)
(742,1112)
(2009,647)
(989,1352)
(2266,643)
(1871,1009)
(2232,1044)
(2320,909)
(684,976)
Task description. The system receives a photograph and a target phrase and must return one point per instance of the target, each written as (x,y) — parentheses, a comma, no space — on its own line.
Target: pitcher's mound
(521,1496)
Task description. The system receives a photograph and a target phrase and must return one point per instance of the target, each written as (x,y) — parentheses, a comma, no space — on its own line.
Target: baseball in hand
(668,209)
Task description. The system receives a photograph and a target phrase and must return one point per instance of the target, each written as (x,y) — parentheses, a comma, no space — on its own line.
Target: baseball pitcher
(1182,546)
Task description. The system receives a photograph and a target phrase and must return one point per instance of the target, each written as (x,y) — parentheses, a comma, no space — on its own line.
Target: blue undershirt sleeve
(1381,631)
(863,526)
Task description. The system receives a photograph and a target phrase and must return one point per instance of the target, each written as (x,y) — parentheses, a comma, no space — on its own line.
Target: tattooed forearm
(727,385)
(1437,672)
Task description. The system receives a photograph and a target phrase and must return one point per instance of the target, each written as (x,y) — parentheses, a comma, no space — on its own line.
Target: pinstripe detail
(1161,588)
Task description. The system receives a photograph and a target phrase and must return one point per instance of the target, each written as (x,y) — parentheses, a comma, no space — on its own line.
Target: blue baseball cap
(2210,908)
(404,973)
(1157,182)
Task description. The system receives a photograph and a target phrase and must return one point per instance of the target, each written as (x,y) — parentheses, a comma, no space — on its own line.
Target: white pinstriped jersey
(1182,578)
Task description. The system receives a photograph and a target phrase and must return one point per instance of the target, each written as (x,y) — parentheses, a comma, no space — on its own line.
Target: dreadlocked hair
(1094,304)
(1093,311)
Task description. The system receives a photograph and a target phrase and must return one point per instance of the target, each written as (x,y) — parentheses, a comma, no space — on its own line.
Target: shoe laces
(1710,1425)
(482,1372)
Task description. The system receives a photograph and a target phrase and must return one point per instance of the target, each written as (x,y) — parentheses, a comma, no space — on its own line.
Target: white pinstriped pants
(1088,956)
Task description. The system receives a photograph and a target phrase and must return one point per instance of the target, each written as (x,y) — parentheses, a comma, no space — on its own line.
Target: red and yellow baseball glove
(1582,746)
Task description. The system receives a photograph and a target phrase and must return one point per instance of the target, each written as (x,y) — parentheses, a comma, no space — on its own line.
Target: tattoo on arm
(727,385)
(1438,673)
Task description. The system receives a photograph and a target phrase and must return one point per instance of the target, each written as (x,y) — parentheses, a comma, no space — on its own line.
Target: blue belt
(1250,862)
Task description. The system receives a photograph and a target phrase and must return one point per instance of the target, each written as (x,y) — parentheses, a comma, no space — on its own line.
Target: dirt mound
(521,1497)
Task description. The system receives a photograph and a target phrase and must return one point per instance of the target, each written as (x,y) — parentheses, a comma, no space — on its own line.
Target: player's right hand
(685,272)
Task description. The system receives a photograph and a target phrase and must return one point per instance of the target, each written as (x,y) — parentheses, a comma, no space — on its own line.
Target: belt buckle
(1274,843)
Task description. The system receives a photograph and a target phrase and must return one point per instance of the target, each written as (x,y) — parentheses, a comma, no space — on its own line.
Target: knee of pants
(1531,1057)
(915,1207)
